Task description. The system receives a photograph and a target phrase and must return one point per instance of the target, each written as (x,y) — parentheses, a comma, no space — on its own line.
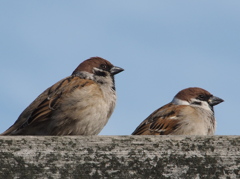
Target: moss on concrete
(120,157)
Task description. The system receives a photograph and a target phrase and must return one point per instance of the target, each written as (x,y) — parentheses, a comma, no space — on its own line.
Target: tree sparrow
(190,113)
(80,104)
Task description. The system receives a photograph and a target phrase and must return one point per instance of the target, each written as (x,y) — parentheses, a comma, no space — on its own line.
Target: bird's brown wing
(40,110)
(163,121)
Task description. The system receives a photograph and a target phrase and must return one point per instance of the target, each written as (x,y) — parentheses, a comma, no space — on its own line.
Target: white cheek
(179,102)
(205,105)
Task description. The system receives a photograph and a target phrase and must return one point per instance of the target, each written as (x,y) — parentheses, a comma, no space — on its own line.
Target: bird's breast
(88,109)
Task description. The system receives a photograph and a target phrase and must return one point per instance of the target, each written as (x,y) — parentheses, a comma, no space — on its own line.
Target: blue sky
(164,46)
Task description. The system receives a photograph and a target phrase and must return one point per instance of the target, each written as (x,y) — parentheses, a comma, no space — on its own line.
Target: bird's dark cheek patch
(197,103)
(100,73)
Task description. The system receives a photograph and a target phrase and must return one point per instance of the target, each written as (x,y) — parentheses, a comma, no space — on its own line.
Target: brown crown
(90,63)
(188,93)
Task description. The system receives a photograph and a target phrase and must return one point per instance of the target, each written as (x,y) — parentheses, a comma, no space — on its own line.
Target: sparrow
(189,113)
(80,104)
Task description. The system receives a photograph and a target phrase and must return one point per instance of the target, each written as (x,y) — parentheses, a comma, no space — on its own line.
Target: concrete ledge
(120,157)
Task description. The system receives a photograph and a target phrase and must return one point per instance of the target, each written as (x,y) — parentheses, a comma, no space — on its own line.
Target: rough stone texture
(120,157)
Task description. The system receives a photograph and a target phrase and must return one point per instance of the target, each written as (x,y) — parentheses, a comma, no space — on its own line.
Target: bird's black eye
(103,66)
(202,97)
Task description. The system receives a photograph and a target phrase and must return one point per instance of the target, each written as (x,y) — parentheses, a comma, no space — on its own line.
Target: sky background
(164,47)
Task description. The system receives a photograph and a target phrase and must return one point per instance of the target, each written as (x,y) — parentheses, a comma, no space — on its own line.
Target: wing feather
(163,121)
(41,109)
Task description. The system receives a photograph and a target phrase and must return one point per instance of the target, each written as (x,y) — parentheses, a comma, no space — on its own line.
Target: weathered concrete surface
(120,157)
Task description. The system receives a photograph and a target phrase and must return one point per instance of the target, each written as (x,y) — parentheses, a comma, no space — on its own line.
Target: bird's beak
(215,100)
(115,70)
